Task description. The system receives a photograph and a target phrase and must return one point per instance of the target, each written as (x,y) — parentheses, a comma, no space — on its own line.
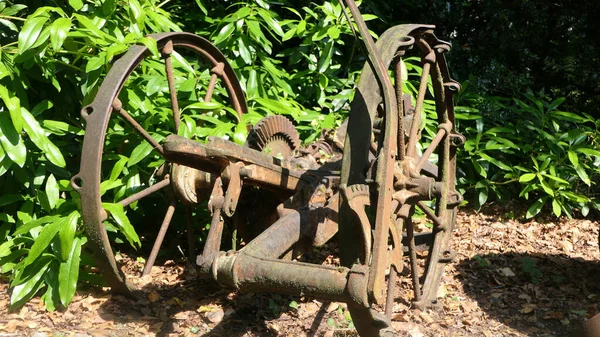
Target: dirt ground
(511,278)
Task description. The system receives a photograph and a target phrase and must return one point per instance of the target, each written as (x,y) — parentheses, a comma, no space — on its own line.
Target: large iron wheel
(118,107)
(403,171)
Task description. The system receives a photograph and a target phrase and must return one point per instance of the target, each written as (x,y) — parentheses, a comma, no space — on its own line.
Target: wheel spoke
(400,101)
(431,214)
(415,128)
(190,234)
(118,107)
(391,289)
(145,192)
(167,51)
(159,238)
(216,71)
(443,130)
(412,254)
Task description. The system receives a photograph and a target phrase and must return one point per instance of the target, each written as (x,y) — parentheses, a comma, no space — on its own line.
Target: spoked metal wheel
(141,102)
(404,170)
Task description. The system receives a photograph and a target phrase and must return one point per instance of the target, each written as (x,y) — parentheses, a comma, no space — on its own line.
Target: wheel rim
(97,116)
(358,168)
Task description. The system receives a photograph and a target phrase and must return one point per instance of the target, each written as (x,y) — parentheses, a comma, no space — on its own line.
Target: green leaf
(482,172)
(179,61)
(224,33)
(536,207)
(527,177)
(52,191)
(76,4)
(573,158)
(21,293)
(39,138)
(14,107)
(202,7)
(150,43)
(30,32)
(495,162)
(66,235)
(35,223)
(142,151)
(118,214)
(95,62)
(69,274)
(252,84)
(212,105)
(41,107)
(9,25)
(483,196)
(244,51)
(8,199)
(556,207)
(43,241)
(239,136)
(588,151)
(556,103)
(333,32)
(325,57)
(583,174)
(301,27)
(11,141)
(546,187)
(568,116)
(58,32)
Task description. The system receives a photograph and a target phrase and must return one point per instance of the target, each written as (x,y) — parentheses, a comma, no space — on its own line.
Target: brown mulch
(510,278)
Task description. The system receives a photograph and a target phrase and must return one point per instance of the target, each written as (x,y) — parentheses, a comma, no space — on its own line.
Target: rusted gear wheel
(142,100)
(384,149)
(257,209)
(275,135)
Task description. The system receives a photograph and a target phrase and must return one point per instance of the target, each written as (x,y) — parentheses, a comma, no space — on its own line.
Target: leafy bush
(528,148)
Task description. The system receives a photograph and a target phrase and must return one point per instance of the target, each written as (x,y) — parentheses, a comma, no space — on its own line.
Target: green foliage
(529,267)
(52,62)
(528,148)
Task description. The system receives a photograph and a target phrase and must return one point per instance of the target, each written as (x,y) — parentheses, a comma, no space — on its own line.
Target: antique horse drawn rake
(360,184)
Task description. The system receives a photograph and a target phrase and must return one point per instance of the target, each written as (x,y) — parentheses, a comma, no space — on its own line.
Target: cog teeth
(357,190)
(273,128)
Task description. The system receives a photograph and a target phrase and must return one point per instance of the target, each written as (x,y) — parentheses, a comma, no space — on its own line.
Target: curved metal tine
(166,52)
(159,239)
(415,128)
(118,107)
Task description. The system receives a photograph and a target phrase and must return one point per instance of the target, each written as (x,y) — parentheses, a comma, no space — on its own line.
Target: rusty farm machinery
(272,199)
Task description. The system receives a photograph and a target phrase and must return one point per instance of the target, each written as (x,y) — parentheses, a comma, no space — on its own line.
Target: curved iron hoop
(97,116)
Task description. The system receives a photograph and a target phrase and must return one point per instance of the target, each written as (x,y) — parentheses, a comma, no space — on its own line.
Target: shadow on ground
(537,294)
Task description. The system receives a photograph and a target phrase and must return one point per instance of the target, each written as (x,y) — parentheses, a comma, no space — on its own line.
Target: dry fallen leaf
(426,318)
(507,272)
(215,316)
(153,296)
(528,308)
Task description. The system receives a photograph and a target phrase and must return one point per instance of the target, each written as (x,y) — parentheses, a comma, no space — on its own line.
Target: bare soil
(511,278)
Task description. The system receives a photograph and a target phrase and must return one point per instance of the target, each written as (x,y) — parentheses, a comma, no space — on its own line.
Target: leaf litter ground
(510,278)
